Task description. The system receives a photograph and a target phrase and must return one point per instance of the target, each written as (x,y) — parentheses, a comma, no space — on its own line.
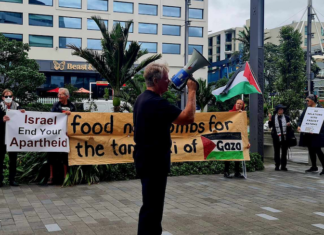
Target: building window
(210,42)
(41,20)
(40,41)
(196,32)
(218,39)
(210,51)
(172,11)
(12,36)
(123,23)
(128,44)
(94,44)
(197,47)
(13,1)
(168,48)
(41,2)
(69,22)
(228,56)
(98,5)
(147,28)
(305,42)
(70,3)
(218,49)
(146,9)
(82,81)
(322,30)
(124,7)
(173,30)
(151,47)
(57,81)
(228,48)
(196,13)
(210,60)
(228,37)
(63,42)
(93,26)
(11,17)
(218,58)
(306,30)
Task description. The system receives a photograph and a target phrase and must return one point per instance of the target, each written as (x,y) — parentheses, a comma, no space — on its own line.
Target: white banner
(313,120)
(36,132)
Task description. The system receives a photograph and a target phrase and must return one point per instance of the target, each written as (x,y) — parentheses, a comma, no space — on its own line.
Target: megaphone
(196,62)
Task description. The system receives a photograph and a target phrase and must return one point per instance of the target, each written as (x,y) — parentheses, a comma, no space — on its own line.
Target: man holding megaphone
(153,116)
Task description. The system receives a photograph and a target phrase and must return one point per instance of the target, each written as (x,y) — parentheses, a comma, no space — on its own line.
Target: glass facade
(123,23)
(13,1)
(210,51)
(146,9)
(172,11)
(69,22)
(196,13)
(197,47)
(169,48)
(41,20)
(124,7)
(41,2)
(70,3)
(12,36)
(64,41)
(57,81)
(210,42)
(93,26)
(151,47)
(82,82)
(40,41)
(147,28)
(11,17)
(196,32)
(173,30)
(98,5)
(94,44)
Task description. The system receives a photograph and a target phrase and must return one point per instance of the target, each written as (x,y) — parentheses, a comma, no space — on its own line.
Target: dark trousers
(284,148)
(12,163)
(313,151)
(236,167)
(151,213)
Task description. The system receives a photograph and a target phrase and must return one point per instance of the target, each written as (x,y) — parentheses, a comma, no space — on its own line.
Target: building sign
(63,66)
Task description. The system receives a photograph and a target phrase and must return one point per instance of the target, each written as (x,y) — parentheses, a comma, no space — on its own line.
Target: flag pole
(243,162)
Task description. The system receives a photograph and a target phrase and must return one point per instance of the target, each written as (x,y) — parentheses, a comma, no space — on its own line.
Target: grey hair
(154,71)
(65,91)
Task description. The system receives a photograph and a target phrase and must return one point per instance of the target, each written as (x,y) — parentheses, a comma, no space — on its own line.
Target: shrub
(33,167)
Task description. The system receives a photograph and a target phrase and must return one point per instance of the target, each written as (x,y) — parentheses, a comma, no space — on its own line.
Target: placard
(313,120)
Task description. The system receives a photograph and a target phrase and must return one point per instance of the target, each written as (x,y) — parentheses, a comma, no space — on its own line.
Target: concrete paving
(268,202)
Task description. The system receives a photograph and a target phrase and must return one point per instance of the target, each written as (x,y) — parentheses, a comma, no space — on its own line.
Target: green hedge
(33,168)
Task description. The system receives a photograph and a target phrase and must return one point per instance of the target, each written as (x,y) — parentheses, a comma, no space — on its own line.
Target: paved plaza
(268,202)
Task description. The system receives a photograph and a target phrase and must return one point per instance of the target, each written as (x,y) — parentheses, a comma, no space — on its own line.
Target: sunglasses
(7,96)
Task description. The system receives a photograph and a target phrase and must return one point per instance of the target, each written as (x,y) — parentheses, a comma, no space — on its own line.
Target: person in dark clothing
(314,142)
(7,103)
(281,126)
(238,107)
(153,116)
(64,105)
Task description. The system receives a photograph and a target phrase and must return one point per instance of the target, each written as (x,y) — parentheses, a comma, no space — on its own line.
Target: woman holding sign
(7,103)
(314,142)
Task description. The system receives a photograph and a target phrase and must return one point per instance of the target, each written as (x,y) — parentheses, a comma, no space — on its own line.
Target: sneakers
(227,175)
(312,169)
(238,175)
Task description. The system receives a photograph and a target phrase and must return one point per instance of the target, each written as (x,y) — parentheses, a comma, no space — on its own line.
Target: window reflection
(64,41)
(146,9)
(172,11)
(99,5)
(197,47)
(69,22)
(123,23)
(171,30)
(195,32)
(11,17)
(125,7)
(147,28)
(70,3)
(93,26)
(94,44)
(168,48)
(196,13)
(41,2)
(151,47)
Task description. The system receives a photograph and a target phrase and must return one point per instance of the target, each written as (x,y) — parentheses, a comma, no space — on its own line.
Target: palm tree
(115,62)
(204,94)
(244,37)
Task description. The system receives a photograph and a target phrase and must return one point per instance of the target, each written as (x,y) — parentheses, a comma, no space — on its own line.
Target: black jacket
(274,133)
(3,124)
(57,107)
(311,140)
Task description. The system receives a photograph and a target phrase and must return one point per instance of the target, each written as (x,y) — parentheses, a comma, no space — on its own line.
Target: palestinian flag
(223,146)
(242,82)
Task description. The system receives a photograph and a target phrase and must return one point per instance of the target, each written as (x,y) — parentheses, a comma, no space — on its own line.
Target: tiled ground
(268,202)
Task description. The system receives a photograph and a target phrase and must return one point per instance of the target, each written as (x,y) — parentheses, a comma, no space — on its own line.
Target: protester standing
(314,142)
(64,105)
(6,104)
(153,116)
(281,129)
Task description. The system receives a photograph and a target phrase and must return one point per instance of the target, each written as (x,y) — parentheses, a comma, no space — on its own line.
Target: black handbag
(291,139)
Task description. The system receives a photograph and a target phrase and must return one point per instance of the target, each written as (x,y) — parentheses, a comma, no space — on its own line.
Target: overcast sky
(224,14)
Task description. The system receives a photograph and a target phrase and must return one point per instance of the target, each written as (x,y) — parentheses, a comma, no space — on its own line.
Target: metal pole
(257,65)
(309,45)
(186,49)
